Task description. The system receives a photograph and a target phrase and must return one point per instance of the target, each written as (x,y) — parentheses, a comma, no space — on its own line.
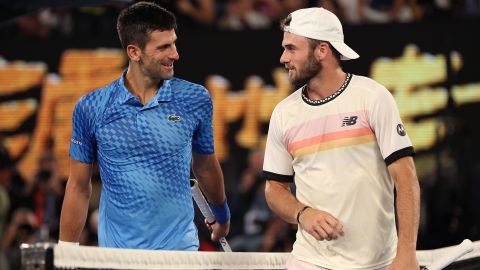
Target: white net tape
(109,258)
(91,257)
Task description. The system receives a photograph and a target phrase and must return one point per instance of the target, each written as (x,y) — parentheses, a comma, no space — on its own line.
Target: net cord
(94,257)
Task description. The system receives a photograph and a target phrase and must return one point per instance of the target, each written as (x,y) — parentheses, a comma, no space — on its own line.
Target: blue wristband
(221,212)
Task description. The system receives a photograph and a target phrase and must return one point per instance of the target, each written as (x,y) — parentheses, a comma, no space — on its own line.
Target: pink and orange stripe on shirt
(328,134)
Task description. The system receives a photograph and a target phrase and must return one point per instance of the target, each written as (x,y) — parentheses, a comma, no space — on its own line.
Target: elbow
(80,188)
(269,193)
(87,190)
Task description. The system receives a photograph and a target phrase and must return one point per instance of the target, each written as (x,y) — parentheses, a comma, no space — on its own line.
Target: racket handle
(206,211)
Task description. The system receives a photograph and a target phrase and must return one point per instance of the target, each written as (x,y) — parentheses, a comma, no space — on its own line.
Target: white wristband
(65,243)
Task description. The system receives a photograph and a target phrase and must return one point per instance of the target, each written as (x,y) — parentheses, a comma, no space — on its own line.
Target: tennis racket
(206,211)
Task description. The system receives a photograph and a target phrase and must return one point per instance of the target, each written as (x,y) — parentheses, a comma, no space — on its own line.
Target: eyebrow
(167,44)
(288,45)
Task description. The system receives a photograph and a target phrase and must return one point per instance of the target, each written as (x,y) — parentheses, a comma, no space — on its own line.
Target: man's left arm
(408,210)
(208,172)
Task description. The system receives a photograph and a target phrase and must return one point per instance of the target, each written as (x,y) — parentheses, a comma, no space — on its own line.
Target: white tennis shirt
(337,152)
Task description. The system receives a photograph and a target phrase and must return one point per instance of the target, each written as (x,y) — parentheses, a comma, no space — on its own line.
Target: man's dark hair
(135,23)
(285,22)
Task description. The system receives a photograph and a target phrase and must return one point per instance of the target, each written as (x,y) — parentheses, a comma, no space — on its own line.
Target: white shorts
(294,264)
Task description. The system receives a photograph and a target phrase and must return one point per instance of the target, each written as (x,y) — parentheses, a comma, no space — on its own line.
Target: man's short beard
(153,75)
(309,70)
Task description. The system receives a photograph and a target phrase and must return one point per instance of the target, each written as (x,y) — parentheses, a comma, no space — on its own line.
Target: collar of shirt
(164,94)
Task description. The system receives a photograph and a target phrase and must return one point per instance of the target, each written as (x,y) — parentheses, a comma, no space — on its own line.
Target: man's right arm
(76,201)
(281,200)
(320,224)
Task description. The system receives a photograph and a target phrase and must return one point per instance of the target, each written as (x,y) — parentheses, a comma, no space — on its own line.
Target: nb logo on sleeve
(349,120)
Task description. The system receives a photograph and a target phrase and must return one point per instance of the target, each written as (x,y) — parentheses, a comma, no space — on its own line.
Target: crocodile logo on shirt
(349,120)
(174,118)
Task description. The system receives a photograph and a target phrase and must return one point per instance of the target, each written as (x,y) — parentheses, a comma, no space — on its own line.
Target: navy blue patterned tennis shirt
(144,154)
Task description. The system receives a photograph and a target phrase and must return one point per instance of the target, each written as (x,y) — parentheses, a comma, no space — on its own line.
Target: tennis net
(48,256)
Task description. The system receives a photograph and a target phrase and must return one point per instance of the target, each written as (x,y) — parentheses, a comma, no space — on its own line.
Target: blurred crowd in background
(241,14)
(29,212)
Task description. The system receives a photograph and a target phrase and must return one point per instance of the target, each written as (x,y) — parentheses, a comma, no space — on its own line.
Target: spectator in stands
(47,192)
(241,15)
(289,6)
(249,205)
(383,11)
(472,7)
(278,236)
(276,9)
(5,176)
(192,13)
(22,229)
(89,236)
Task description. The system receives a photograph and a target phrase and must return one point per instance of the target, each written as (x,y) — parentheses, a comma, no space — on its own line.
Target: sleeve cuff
(277,177)
(407,151)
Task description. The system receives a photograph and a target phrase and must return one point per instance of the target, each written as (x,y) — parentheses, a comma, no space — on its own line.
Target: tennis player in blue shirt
(145,130)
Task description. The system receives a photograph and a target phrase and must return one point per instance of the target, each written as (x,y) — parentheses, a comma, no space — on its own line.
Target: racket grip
(206,211)
(201,202)
(225,246)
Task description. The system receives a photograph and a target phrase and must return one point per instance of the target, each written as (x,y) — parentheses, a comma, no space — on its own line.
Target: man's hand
(218,230)
(320,224)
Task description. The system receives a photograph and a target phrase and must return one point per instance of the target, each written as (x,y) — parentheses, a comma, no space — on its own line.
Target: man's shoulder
(371,90)
(291,100)
(188,90)
(176,83)
(367,83)
(98,98)
(99,94)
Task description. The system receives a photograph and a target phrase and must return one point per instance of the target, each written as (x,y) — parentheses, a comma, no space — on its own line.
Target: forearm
(408,203)
(74,211)
(210,179)
(408,210)
(282,202)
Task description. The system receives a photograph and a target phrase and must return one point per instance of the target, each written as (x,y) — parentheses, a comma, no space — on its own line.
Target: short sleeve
(82,142)
(389,130)
(277,164)
(202,141)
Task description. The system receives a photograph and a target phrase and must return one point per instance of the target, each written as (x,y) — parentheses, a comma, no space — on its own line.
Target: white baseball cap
(319,24)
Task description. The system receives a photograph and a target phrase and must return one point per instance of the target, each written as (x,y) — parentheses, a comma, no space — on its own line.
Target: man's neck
(140,85)
(325,84)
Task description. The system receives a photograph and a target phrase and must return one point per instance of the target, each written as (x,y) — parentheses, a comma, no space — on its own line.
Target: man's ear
(321,51)
(133,52)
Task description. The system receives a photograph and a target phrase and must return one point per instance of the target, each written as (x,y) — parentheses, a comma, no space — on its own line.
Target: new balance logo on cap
(349,120)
